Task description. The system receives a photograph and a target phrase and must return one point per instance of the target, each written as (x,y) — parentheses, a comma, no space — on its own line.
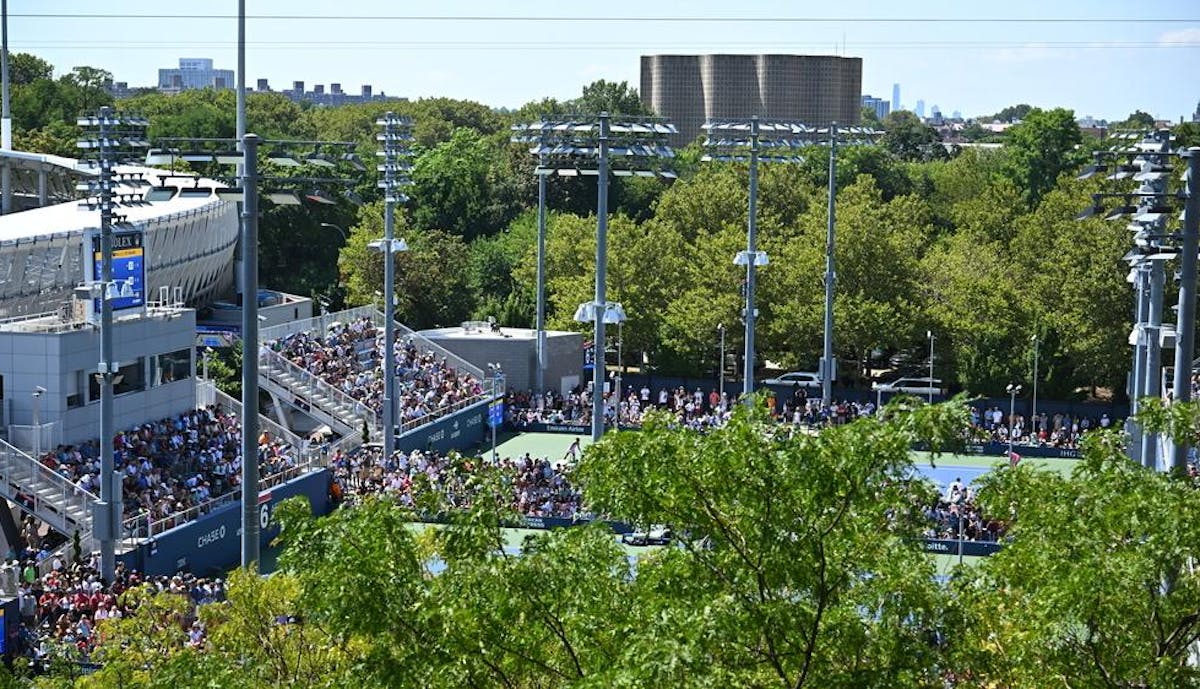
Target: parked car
(804,379)
(919,385)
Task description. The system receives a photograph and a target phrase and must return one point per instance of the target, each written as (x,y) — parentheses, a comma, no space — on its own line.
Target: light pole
(5,113)
(608,312)
(207,354)
(250,545)
(37,421)
(1033,422)
(1185,331)
(497,381)
(116,134)
(929,334)
(215,151)
(828,365)
(620,361)
(561,146)
(721,361)
(1013,391)
(542,171)
(395,137)
(1147,159)
(752,141)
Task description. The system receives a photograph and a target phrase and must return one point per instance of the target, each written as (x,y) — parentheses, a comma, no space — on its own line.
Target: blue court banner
(128,270)
(496,414)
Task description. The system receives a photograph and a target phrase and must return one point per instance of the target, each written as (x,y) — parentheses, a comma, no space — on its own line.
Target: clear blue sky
(1099,68)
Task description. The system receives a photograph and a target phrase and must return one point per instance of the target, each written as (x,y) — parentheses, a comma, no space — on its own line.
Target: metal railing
(441,412)
(207,393)
(142,526)
(307,385)
(319,323)
(68,507)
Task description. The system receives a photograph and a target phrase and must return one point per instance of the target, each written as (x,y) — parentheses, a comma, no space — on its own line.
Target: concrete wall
(515,349)
(64,362)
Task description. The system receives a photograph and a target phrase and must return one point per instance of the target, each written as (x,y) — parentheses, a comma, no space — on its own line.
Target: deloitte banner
(969,548)
(212,543)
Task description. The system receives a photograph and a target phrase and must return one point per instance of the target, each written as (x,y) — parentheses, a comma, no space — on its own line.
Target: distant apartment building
(690,89)
(334,96)
(1196,115)
(194,73)
(880,106)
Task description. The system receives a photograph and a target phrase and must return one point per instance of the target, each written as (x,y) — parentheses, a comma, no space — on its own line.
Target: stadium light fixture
(757,140)
(112,137)
(603,146)
(395,134)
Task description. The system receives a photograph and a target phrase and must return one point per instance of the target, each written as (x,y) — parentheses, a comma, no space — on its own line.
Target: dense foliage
(796,565)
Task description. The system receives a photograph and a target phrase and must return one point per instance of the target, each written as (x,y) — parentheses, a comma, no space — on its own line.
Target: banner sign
(496,414)
(969,548)
(1001,450)
(128,270)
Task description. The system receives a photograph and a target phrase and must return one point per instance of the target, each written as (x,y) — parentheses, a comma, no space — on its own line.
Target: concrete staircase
(45,494)
(310,394)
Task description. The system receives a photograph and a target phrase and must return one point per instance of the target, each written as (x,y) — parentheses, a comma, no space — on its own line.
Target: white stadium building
(189,234)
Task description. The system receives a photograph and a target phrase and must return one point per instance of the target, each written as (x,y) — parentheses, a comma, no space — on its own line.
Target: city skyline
(1112,61)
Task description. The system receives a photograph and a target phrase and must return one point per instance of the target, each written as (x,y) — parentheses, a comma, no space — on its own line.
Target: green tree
(1010,114)
(615,98)
(788,573)
(457,188)
(1094,587)
(431,284)
(1138,119)
(26,68)
(911,139)
(1042,147)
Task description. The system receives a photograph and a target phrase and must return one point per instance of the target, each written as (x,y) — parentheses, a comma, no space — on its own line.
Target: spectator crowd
(172,465)
(62,609)
(700,410)
(530,486)
(349,356)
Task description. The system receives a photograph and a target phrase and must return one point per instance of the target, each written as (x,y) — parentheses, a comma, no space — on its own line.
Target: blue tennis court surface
(943,476)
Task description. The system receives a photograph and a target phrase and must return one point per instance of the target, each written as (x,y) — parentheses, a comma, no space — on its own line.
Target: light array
(570,146)
(395,138)
(111,139)
(776,141)
(324,158)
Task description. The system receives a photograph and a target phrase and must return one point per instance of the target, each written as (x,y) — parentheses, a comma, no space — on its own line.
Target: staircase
(312,395)
(296,387)
(44,493)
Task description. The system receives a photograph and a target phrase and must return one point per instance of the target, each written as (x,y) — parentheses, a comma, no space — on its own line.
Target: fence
(25,480)
(142,526)
(35,439)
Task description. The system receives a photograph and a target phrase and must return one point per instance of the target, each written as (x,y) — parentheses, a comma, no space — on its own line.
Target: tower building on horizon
(689,89)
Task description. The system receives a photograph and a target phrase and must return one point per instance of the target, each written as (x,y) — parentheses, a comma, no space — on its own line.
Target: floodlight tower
(395,139)
(599,145)
(1147,159)
(744,141)
(835,136)
(541,139)
(281,190)
(113,137)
